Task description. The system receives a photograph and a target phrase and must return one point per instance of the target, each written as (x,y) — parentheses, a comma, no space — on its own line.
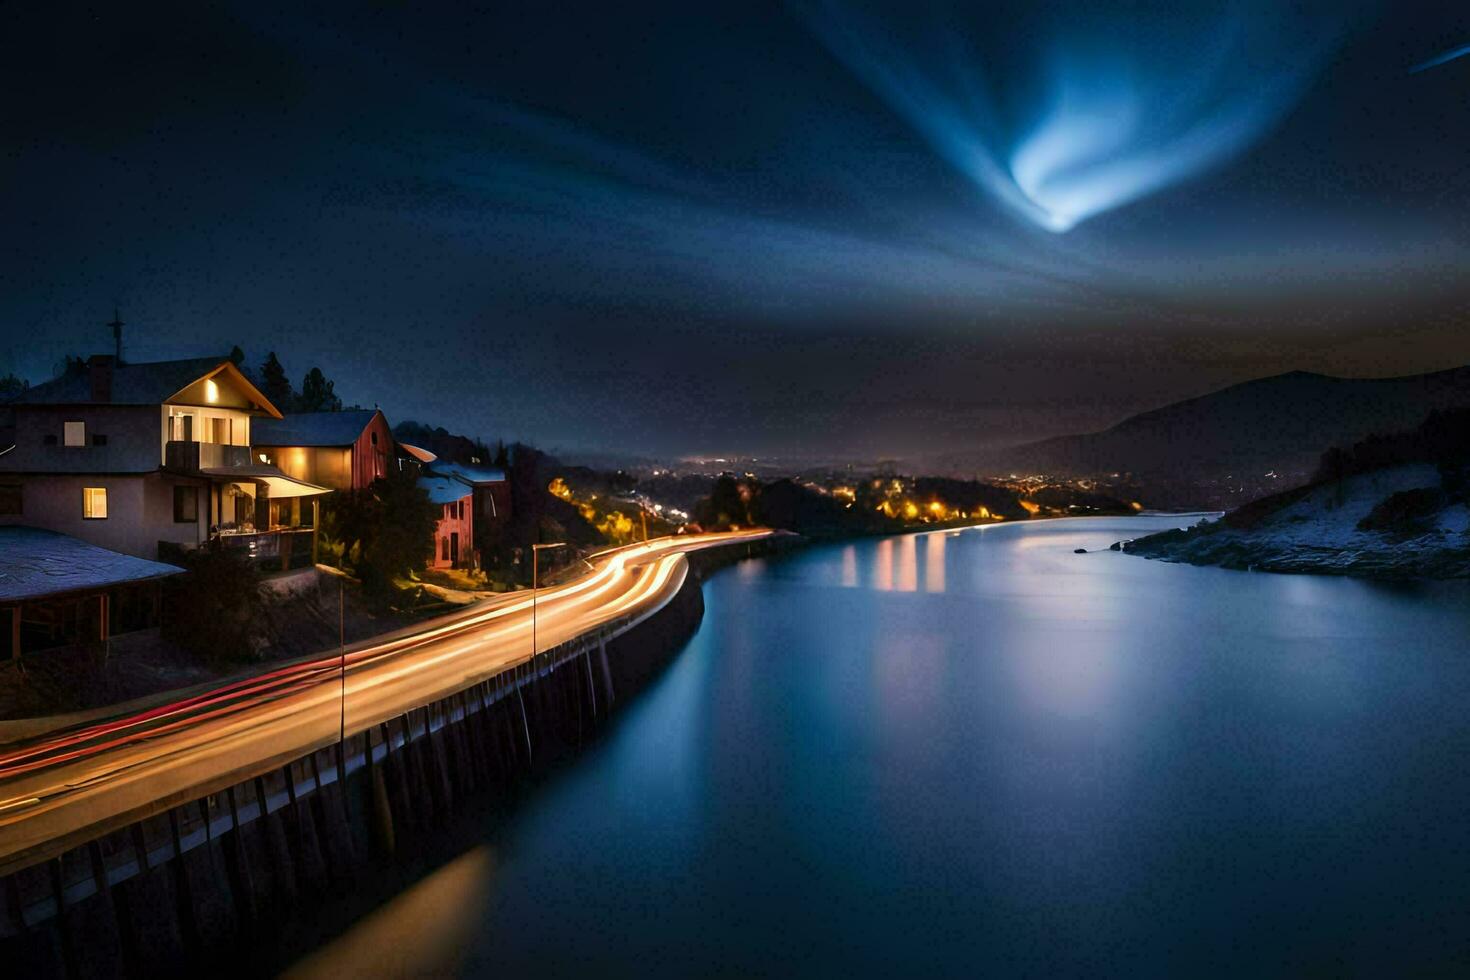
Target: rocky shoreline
(1215,544)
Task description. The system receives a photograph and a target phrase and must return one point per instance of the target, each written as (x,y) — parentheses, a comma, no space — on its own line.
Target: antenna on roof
(116,326)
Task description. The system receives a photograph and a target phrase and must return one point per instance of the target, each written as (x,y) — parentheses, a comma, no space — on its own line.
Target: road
(60,785)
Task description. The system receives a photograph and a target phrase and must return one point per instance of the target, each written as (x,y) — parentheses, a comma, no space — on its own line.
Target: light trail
(63,784)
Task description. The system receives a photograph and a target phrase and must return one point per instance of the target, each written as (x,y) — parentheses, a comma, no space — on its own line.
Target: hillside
(1217,449)
(1395,506)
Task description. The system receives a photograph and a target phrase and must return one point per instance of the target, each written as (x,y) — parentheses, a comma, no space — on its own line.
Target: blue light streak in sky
(1442,59)
(1111,115)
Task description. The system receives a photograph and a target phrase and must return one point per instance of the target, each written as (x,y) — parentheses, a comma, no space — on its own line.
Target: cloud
(1086,117)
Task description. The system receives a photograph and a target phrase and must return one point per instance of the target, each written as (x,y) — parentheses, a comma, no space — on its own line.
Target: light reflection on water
(934,562)
(424,931)
(1034,762)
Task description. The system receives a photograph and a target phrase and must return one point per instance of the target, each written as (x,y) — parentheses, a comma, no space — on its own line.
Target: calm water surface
(972,753)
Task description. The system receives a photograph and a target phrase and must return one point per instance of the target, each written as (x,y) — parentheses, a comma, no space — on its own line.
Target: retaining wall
(171,892)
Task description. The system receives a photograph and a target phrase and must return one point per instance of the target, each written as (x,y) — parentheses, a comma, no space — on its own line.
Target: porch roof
(279,483)
(35,564)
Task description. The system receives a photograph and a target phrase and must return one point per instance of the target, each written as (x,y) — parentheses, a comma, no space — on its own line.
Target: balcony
(280,548)
(276,549)
(191,457)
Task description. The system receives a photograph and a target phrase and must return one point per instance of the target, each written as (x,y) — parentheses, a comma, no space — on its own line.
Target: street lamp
(536,550)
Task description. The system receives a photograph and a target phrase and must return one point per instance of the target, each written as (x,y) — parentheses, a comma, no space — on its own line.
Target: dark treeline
(1443,439)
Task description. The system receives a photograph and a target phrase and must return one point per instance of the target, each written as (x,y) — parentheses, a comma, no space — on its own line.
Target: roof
(313,428)
(280,484)
(418,453)
(473,475)
(443,489)
(35,563)
(148,383)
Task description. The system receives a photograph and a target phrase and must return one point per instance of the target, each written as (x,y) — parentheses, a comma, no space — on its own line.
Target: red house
(491,489)
(342,450)
(454,537)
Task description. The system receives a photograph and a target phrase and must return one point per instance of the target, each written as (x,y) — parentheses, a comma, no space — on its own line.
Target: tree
(317,394)
(275,385)
(727,504)
(10,386)
(237,356)
(391,524)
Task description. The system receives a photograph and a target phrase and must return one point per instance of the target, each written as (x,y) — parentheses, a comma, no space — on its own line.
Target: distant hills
(1225,443)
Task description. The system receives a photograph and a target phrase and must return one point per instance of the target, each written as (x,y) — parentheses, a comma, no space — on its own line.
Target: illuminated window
(74,433)
(183,428)
(94,503)
(211,392)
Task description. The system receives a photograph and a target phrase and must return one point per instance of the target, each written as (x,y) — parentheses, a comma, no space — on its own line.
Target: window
(11,499)
(443,549)
(219,431)
(94,503)
(99,440)
(74,433)
(186,505)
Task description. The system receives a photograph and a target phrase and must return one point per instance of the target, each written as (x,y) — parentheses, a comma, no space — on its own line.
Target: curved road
(67,782)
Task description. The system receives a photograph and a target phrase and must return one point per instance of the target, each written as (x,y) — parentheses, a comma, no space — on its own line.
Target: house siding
(449,524)
(371,452)
(325,466)
(131,431)
(351,467)
(140,510)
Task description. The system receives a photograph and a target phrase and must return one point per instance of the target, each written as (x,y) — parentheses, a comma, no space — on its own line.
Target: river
(978,753)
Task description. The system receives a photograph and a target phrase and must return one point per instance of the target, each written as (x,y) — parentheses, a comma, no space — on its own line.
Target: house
(138,458)
(58,591)
(345,450)
(491,490)
(454,537)
(470,497)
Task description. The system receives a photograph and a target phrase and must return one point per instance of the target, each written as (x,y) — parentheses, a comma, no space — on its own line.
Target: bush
(1406,512)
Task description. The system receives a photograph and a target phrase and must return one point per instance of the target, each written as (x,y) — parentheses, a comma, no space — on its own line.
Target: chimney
(99,369)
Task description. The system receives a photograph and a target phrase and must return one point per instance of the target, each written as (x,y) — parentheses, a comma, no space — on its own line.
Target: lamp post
(536,550)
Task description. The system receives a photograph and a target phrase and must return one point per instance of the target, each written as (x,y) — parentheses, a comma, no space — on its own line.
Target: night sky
(814,229)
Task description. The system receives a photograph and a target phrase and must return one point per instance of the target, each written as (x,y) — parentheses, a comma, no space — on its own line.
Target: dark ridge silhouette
(1275,424)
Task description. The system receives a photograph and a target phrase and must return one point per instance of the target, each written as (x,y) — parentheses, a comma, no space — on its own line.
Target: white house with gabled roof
(138,457)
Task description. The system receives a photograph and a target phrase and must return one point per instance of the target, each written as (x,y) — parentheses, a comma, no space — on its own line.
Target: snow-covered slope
(1422,530)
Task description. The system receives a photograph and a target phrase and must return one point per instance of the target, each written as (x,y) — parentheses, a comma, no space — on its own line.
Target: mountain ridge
(1241,434)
